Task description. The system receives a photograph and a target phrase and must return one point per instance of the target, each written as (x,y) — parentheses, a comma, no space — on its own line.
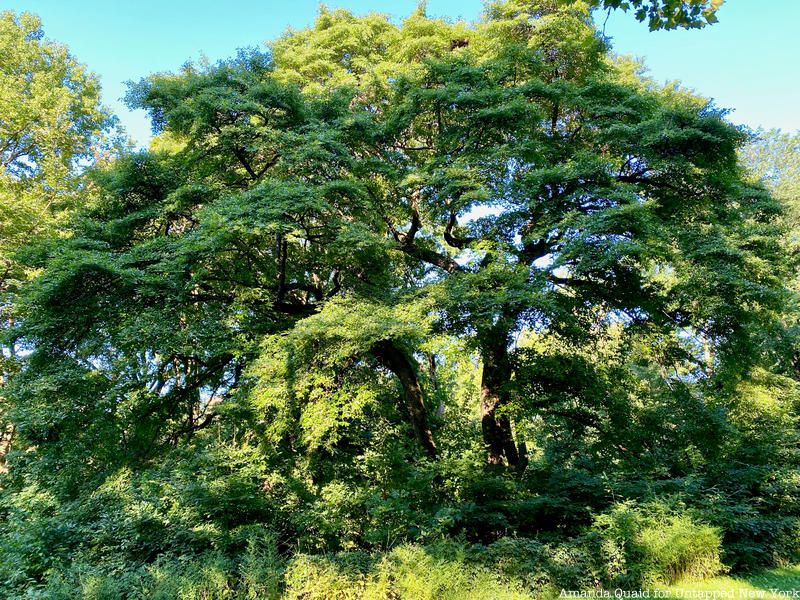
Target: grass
(773,584)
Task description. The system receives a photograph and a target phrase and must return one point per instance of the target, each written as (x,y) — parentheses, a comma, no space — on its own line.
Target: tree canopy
(51,120)
(51,123)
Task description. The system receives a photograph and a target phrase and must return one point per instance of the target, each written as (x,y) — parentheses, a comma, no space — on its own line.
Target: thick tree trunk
(497,435)
(398,363)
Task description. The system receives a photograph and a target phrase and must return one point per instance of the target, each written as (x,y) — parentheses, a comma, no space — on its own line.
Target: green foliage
(668,14)
(647,545)
(52,128)
(405,572)
(255,574)
(52,121)
(394,285)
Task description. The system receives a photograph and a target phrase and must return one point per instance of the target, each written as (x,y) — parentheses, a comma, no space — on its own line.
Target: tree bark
(497,435)
(6,439)
(394,359)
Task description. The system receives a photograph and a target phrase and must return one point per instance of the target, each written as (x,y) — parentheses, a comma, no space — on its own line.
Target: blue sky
(749,61)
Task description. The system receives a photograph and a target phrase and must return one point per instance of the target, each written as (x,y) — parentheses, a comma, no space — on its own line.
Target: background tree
(51,122)
(773,157)
(50,129)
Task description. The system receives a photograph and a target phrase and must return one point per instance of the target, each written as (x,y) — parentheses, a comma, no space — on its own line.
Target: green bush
(253,571)
(651,544)
(544,568)
(408,572)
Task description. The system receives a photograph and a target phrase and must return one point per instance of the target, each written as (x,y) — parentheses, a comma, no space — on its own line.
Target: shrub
(252,569)
(407,572)
(651,544)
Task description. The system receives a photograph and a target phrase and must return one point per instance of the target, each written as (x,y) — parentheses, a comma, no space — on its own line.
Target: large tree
(511,172)
(437,181)
(358,277)
(546,188)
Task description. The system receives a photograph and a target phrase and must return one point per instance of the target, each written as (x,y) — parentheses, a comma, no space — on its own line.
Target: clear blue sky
(749,61)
